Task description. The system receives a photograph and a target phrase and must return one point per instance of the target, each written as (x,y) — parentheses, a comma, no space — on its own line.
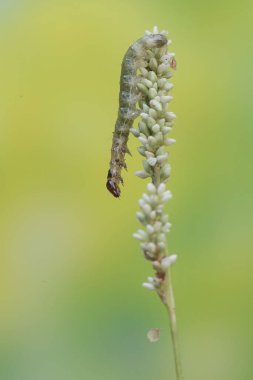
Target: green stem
(169,303)
(167,297)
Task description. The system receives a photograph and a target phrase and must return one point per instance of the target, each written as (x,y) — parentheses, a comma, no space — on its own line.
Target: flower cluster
(153,238)
(156,122)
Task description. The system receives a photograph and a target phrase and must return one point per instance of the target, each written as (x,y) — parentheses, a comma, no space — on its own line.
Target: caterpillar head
(112,185)
(113,188)
(155,40)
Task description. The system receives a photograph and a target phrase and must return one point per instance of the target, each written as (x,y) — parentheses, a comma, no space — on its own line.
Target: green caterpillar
(129,94)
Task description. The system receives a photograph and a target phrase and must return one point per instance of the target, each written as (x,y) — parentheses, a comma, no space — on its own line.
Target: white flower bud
(138,236)
(142,233)
(143,129)
(153,64)
(162,158)
(161,188)
(161,82)
(152,215)
(152,141)
(153,113)
(150,121)
(159,138)
(161,245)
(151,188)
(148,286)
(142,88)
(165,130)
(165,218)
(166,99)
(167,261)
(168,74)
(144,116)
(168,86)
(147,209)
(156,105)
(156,128)
(151,247)
(149,154)
(145,108)
(152,93)
(161,122)
(152,76)
(166,196)
(142,174)
(147,83)
(135,132)
(143,71)
(165,172)
(169,141)
(173,258)
(155,30)
(159,209)
(150,229)
(143,139)
(166,58)
(162,237)
(163,67)
(157,226)
(167,227)
(151,161)
(170,116)
(154,199)
(141,202)
(141,217)
(146,198)
(161,150)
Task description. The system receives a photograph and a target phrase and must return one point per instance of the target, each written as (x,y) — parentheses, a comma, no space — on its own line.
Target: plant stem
(167,297)
(169,304)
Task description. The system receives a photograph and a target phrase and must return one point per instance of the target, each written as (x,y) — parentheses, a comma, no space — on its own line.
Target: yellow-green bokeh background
(72,306)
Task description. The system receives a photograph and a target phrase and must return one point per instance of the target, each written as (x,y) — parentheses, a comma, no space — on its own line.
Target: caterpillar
(129,94)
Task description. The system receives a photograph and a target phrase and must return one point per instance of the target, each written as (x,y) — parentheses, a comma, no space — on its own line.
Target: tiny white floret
(148,286)
(151,188)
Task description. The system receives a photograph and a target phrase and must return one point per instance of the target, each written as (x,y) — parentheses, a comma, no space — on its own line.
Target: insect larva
(133,60)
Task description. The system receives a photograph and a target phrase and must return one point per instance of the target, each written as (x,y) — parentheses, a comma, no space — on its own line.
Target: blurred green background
(72,305)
